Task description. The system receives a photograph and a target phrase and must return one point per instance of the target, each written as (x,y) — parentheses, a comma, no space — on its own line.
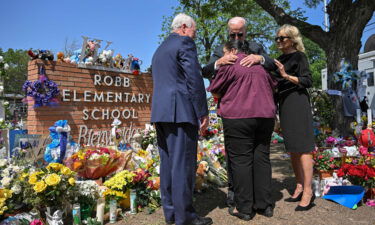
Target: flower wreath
(43,91)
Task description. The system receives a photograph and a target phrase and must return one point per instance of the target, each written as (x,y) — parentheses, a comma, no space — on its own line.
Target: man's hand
(251,60)
(204,124)
(226,59)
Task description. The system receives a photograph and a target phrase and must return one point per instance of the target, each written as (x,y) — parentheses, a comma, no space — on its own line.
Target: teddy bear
(60,56)
(201,176)
(105,58)
(119,61)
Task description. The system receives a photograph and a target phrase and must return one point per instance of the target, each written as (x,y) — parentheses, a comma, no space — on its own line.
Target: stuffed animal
(105,58)
(201,176)
(135,66)
(75,57)
(89,61)
(60,56)
(119,61)
(40,54)
(61,147)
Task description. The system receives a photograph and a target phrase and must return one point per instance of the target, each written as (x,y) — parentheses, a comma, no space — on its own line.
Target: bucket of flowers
(52,188)
(324,164)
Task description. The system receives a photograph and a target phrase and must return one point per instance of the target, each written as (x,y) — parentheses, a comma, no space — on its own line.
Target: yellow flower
(33,179)
(40,186)
(54,166)
(65,170)
(53,179)
(23,176)
(72,181)
(142,153)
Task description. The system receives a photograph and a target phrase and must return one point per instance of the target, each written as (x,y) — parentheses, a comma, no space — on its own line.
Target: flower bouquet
(5,194)
(324,162)
(87,193)
(147,195)
(363,175)
(52,186)
(118,185)
(13,177)
(93,163)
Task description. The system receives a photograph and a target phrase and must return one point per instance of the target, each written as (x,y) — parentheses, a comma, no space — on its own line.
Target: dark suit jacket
(179,95)
(209,70)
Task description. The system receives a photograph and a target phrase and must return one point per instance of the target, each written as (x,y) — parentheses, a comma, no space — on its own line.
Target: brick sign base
(90,99)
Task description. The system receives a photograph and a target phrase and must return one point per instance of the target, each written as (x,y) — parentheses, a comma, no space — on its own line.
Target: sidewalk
(212,204)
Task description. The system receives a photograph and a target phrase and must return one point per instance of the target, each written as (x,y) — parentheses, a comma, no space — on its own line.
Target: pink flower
(320,157)
(363,150)
(36,222)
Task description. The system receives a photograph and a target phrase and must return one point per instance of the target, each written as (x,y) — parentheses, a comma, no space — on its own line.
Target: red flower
(358,171)
(371,172)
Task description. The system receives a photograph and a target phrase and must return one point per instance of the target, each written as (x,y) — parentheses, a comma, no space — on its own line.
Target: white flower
(6,103)
(6,66)
(6,181)
(16,169)
(1,120)
(1,59)
(16,189)
(3,162)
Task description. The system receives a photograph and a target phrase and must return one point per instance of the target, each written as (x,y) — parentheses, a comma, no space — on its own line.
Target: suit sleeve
(269,64)
(188,59)
(208,71)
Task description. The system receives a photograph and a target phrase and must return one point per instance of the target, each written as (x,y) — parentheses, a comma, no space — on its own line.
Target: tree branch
(313,32)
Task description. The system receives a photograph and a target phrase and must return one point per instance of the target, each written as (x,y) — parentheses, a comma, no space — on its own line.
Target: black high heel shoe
(297,199)
(309,206)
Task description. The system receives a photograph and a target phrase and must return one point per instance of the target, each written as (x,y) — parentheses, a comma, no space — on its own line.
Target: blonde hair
(294,34)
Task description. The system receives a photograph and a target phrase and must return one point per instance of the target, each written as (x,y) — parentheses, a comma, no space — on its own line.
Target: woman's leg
(298,172)
(262,165)
(306,164)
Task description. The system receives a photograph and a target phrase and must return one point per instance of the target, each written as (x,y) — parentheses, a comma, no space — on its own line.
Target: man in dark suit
(237,31)
(179,110)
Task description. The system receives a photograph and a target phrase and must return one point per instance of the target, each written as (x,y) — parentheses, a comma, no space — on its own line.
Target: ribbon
(347,75)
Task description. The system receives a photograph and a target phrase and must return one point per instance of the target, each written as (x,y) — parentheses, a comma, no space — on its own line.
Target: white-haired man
(237,31)
(179,110)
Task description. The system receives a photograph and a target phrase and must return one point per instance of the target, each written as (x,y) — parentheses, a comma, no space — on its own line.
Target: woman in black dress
(295,112)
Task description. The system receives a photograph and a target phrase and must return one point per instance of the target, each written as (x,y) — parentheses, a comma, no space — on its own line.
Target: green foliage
(312,3)
(16,75)
(211,17)
(322,107)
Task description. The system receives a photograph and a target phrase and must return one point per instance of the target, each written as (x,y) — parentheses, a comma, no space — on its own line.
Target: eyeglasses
(233,35)
(281,38)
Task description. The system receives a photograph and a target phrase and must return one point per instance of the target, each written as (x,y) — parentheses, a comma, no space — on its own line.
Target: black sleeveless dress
(294,104)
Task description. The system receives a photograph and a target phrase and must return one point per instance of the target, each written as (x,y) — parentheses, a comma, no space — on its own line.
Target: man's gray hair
(181,19)
(237,19)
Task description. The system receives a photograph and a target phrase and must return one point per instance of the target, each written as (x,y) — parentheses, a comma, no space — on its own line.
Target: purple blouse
(246,92)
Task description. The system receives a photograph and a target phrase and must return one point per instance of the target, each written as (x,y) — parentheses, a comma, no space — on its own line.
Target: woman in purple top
(248,110)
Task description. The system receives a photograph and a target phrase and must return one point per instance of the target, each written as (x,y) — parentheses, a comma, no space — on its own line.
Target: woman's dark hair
(240,46)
